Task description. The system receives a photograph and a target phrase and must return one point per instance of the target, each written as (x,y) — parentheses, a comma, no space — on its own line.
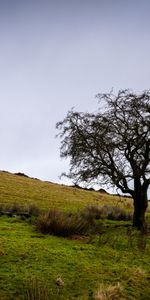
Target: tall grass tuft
(109,292)
(118,214)
(56,222)
(92,212)
(16,209)
(107,212)
(33,210)
(36,291)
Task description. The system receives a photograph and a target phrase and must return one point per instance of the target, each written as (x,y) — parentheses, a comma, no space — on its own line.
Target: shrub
(11,209)
(2,207)
(58,223)
(22,211)
(33,210)
(92,212)
(108,212)
(14,208)
(117,213)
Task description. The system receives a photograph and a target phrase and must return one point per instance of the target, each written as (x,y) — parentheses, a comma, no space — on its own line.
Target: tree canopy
(112,145)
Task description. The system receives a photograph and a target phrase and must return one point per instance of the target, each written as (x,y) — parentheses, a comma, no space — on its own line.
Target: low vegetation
(110,212)
(58,223)
(78,245)
(109,292)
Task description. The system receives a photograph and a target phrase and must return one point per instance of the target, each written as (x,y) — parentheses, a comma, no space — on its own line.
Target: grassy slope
(22,190)
(118,255)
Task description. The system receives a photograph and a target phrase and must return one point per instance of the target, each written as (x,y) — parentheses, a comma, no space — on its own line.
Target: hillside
(112,264)
(24,190)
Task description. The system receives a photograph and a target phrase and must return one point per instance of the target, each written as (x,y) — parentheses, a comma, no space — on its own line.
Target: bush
(2,207)
(33,210)
(118,214)
(106,212)
(10,209)
(22,211)
(92,212)
(14,208)
(58,223)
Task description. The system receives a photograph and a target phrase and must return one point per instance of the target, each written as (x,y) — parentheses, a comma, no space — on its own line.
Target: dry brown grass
(109,292)
(137,274)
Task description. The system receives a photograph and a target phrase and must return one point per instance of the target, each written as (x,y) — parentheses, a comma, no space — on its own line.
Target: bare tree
(112,146)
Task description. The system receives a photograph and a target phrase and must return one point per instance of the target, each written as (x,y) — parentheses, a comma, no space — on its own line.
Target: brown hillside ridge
(89,189)
(103,191)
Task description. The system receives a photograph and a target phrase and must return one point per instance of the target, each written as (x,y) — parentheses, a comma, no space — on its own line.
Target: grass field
(114,264)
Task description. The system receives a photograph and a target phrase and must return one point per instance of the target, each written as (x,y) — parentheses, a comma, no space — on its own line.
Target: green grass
(29,260)
(83,264)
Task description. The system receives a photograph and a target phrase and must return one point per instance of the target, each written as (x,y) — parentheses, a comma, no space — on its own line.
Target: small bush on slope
(16,209)
(58,223)
(108,212)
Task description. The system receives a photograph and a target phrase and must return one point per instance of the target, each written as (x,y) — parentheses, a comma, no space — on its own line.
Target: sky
(55,55)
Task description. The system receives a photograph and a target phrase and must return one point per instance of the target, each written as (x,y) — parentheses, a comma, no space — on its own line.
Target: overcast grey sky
(58,54)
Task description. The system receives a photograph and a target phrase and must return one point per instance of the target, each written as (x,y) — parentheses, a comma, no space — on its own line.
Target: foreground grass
(90,267)
(119,255)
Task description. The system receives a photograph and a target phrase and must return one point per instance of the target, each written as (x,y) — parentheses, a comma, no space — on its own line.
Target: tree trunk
(140,206)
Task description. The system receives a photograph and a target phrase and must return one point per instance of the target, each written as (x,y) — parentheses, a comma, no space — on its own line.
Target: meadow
(113,263)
